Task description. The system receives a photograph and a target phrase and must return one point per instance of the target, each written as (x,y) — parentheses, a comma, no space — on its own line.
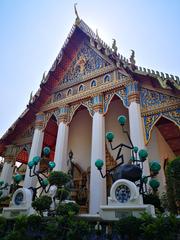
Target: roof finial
(132,57)
(31,97)
(44,78)
(97,35)
(114,47)
(76,13)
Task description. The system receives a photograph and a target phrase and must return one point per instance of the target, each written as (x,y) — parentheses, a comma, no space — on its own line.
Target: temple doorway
(80,135)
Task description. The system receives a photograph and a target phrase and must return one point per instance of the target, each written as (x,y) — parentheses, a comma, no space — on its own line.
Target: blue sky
(32,33)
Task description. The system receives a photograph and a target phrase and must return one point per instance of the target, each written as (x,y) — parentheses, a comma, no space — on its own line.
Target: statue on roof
(31,97)
(97,35)
(44,78)
(114,47)
(132,57)
(76,13)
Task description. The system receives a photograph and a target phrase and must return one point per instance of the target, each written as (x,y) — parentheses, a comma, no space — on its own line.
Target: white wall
(116,108)
(80,133)
(159,150)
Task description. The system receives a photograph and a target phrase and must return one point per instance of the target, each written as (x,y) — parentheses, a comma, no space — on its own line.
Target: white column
(60,157)
(6,175)
(97,183)
(36,150)
(136,131)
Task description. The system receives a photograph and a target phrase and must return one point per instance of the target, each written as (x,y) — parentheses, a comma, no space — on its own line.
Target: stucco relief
(85,62)
(150,121)
(108,97)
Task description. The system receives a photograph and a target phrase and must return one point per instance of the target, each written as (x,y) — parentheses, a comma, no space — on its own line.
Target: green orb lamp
(30,164)
(18,178)
(154,183)
(51,165)
(36,160)
(99,164)
(135,149)
(155,167)
(143,154)
(110,136)
(46,151)
(45,182)
(122,120)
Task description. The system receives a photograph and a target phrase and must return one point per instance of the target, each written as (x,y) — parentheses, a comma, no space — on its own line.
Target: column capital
(40,119)
(132,91)
(97,102)
(63,114)
(10,153)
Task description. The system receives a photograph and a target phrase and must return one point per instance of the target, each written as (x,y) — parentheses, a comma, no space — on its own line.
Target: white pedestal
(124,201)
(20,204)
(112,213)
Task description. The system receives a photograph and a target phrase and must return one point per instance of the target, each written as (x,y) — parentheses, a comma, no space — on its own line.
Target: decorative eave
(165,80)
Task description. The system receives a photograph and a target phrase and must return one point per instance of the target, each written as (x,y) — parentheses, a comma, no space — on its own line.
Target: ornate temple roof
(61,62)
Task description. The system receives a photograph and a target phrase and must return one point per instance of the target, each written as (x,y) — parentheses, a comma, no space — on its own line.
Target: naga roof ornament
(77,15)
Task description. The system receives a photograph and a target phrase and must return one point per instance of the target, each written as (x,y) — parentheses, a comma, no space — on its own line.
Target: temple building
(88,86)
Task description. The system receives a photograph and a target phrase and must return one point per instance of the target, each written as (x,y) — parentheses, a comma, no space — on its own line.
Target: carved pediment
(86,61)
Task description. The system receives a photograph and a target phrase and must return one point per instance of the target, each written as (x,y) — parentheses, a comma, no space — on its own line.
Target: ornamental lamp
(36,160)
(99,164)
(46,151)
(154,183)
(17,178)
(155,166)
(110,136)
(1,182)
(122,120)
(45,182)
(51,164)
(135,149)
(143,154)
(30,164)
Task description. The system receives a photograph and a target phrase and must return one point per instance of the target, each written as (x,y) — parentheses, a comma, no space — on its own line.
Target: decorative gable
(87,60)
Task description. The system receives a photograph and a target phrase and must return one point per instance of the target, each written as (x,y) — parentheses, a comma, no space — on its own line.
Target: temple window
(107,78)
(57,96)
(93,83)
(69,92)
(81,88)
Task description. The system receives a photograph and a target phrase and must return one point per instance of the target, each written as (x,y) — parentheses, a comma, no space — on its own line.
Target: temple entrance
(115,109)
(80,134)
(164,146)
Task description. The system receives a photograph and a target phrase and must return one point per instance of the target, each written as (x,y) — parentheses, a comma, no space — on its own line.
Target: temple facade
(88,86)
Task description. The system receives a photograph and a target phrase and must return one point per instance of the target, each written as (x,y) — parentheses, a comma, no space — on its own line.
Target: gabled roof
(61,63)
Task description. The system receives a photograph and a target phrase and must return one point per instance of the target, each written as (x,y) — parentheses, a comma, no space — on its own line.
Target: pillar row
(135,122)
(36,149)
(60,157)
(7,173)
(97,183)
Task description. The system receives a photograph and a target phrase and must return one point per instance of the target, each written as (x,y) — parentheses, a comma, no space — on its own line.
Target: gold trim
(150,131)
(161,108)
(85,94)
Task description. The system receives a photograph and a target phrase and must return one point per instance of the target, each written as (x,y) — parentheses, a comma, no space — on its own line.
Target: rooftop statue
(132,57)
(114,47)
